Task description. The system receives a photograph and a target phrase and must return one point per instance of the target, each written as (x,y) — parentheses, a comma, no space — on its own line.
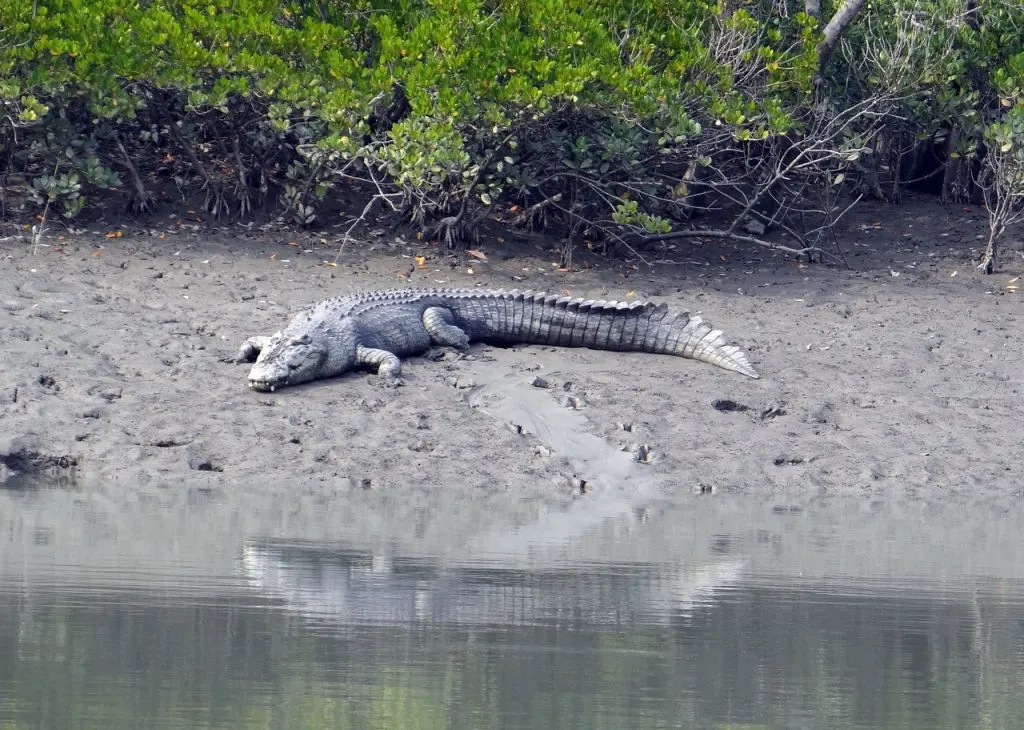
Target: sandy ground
(902,375)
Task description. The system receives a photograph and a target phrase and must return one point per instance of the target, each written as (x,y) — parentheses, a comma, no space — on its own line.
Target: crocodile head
(289,359)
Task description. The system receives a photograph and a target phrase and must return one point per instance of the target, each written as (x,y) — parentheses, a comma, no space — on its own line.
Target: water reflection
(341,585)
(243,609)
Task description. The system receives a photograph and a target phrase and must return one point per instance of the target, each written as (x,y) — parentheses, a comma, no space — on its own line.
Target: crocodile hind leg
(389,367)
(438,323)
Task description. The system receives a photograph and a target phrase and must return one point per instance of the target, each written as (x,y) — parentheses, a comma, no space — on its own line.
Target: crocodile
(375,329)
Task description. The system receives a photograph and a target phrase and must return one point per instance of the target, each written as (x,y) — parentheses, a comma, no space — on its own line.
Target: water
(291,607)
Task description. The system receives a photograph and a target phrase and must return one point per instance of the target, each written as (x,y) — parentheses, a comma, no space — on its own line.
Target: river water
(282,606)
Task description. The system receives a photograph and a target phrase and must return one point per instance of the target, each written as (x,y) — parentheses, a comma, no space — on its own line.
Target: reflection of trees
(996,657)
(797,655)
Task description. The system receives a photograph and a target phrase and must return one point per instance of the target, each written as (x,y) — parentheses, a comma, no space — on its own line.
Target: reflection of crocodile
(351,587)
(376,328)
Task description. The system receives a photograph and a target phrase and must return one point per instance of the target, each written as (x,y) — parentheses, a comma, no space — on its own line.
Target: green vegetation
(617,118)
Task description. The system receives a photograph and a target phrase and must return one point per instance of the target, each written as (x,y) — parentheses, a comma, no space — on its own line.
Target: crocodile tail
(690,336)
(517,316)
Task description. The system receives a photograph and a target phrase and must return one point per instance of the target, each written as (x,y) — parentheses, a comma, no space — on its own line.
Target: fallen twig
(703,233)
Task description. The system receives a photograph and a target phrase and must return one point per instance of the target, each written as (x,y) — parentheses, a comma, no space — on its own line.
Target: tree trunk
(832,33)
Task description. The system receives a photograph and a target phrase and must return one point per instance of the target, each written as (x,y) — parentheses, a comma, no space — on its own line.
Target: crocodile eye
(301,340)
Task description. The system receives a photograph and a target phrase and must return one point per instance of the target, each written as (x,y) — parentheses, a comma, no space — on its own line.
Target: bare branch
(535,208)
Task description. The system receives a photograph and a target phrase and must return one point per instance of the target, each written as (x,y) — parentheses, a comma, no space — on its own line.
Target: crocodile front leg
(251,348)
(389,367)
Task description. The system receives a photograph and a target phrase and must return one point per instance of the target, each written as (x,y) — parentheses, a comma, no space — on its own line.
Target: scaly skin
(376,329)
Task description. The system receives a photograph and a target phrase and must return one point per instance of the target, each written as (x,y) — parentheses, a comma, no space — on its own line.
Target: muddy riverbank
(899,376)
